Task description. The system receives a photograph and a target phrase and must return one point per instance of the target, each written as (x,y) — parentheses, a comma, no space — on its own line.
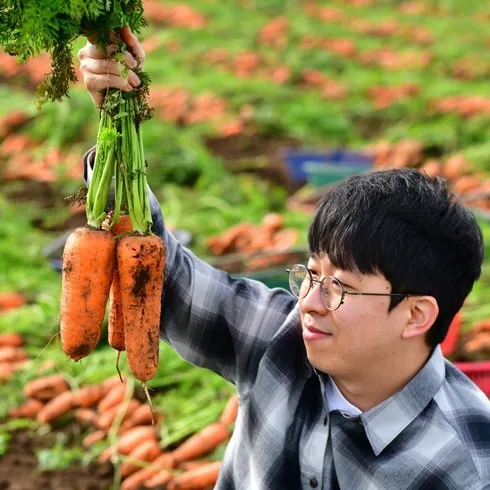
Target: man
(342,384)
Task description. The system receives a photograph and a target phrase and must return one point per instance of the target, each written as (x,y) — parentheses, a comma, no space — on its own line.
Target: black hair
(407,226)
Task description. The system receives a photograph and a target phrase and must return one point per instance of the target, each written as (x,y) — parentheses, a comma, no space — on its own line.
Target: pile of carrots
(178,15)
(247,238)
(110,405)
(12,354)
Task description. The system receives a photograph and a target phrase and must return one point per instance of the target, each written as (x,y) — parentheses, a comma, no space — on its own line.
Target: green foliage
(29,27)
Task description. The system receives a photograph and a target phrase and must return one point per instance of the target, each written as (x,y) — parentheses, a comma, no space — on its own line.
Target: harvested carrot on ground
(85,416)
(46,388)
(129,442)
(11,300)
(29,409)
(89,396)
(12,354)
(56,407)
(202,443)
(137,480)
(196,479)
(105,419)
(114,397)
(11,340)
(98,435)
(146,452)
(141,416)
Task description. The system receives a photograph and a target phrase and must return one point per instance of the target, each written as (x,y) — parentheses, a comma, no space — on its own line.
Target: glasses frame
(342,287)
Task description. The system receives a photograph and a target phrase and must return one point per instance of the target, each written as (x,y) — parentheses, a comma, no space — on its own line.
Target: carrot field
(235,86)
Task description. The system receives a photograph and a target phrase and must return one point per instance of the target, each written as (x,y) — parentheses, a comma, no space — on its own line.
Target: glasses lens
(332,293)
(299,280)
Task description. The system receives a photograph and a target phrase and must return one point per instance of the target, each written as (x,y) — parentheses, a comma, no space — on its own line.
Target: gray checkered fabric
(434,434)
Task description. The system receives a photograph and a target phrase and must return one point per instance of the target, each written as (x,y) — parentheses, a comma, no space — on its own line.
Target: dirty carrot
(146,452)
(202,443)
(46,388)
(56,407)
(88,267)
(196,479)
(116,319)
(140,262)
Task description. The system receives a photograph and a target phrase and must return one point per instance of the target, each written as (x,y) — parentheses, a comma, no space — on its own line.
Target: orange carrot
(230,412)
(29,409)
(115,380)
(192,465)
(159,480)
(46,388)
(56,407)
(105,419)
(11,300)
(116,320)
(12,354)
(129,441)
(88,396)
(147,452)
(11,339)
(143,415)
(114,397)
(138,480)
(88,267)
(196,479)
(6,371)
(84,415)
(140,262)
(202,443)
(94,437)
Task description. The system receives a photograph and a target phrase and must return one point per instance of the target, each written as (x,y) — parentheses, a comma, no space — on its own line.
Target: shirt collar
(388,419)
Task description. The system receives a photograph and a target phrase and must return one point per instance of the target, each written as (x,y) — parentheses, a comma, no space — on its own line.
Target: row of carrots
(12,353)
(143,462)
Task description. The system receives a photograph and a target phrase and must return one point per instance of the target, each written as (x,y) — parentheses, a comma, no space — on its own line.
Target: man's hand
(100,73)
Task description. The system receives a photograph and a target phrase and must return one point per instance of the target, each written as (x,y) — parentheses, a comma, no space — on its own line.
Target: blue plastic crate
(297,160)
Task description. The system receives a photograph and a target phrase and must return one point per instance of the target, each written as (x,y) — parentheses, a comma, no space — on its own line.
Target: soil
(19,470)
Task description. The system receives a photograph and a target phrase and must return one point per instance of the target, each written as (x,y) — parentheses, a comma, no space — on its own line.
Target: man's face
(361,334)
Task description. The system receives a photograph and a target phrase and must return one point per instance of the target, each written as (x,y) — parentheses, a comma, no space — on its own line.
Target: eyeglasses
(332,291)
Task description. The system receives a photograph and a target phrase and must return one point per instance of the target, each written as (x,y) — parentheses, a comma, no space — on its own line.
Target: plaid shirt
(434,434)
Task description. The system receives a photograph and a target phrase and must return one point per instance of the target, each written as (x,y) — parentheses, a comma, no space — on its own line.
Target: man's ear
(422,315)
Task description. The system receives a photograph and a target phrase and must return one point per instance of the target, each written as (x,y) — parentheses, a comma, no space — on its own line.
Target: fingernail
(134,80)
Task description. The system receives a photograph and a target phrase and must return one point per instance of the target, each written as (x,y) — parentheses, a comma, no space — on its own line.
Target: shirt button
(313,482)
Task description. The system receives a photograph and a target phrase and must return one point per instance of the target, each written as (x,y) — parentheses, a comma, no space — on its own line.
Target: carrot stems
(104,169)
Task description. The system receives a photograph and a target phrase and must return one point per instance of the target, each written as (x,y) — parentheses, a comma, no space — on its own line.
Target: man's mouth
(312,333)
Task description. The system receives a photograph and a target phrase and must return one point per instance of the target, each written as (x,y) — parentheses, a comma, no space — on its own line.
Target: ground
(19,470)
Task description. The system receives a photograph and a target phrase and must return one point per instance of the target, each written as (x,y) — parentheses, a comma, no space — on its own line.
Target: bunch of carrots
(93,255)
(110,406)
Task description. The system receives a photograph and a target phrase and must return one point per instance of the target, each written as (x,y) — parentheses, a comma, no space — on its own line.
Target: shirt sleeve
(211,319)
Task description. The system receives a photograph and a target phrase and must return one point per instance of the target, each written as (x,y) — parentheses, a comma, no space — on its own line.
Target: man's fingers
(97,83)
(91,51)
(133,45)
